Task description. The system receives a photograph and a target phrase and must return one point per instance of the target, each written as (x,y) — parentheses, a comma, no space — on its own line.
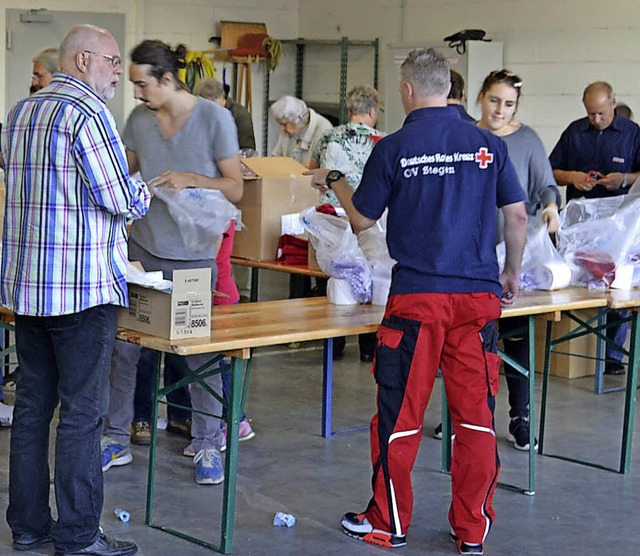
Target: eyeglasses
(116,61)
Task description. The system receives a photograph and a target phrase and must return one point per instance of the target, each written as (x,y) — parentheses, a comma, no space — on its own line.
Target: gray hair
(49,58)
(428,72)
(210,88)
(361,99)
(291,109)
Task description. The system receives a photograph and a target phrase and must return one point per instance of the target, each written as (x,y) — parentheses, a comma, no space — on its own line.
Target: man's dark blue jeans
(62,359)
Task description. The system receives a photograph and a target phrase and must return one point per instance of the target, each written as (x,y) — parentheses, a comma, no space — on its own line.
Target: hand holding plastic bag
(202,215)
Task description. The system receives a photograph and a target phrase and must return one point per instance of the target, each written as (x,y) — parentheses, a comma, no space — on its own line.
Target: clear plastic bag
(600,240)
(543,268)
(202,215)
(338,252)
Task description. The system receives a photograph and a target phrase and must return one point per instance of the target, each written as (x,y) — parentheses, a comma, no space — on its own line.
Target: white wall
(557,46)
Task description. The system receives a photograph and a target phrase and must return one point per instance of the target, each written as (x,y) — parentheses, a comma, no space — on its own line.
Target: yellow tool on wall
(197,67)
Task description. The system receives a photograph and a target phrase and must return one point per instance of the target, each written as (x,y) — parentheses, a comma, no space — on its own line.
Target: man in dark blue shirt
(599,156)
(441,180)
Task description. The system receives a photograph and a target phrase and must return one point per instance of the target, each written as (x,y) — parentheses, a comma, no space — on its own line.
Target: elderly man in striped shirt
(64,257)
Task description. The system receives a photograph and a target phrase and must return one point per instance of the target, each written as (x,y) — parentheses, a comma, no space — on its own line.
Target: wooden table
(276,266)
(615,300)
(235,330)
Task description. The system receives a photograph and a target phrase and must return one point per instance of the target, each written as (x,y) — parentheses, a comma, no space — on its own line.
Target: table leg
(234,414)
(445,454)
(532,406)
(253,292)
(630,395)
(598,387)
(154,440)
(545,384)
(327,386)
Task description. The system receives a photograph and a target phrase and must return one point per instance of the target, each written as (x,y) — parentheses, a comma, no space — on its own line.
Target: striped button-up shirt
(69,194)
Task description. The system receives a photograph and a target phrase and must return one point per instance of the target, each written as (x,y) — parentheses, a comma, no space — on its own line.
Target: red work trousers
(419,333)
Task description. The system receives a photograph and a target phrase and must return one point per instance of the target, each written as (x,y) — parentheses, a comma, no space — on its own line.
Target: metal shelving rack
(344,43)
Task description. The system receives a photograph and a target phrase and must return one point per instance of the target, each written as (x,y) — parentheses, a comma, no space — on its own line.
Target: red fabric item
(327,208)
(376,138)
(292,250)
(419,333)
(225,283)
(600,265)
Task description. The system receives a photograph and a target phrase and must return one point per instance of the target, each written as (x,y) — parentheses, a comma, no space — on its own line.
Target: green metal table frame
(597,325)
(240,378)
(530,489)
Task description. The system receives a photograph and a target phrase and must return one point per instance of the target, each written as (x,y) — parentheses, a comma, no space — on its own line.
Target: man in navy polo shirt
(441,179)
(599,156)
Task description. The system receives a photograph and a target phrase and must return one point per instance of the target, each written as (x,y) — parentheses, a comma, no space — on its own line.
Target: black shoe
(28,542)
(613,368)
(437,433)
(465,548)
(366,357)
(519,434)
(104,546)
(181,427)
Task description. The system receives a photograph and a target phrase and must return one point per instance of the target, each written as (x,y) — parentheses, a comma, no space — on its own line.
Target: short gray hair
(428,71)
(291,109)
(210,88)
(49,58)
(361,99)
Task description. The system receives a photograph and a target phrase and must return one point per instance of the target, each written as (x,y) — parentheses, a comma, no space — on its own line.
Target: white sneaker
(6,415)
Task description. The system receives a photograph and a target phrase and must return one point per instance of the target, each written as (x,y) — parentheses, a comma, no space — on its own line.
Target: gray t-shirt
(528,157)
(207,136)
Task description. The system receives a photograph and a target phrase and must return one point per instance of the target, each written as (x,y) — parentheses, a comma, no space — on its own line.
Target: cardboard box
(184,313)
(564,365)
(277,188)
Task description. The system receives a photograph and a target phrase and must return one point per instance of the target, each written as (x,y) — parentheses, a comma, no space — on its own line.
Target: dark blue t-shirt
(583,148)
(442,180)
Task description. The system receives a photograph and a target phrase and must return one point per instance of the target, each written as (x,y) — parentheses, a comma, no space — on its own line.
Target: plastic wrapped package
(373,243)
(203,215)
(542,268)
(338,252)
(600,240)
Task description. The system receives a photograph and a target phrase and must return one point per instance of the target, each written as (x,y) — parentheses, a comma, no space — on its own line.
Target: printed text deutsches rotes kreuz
(441,164)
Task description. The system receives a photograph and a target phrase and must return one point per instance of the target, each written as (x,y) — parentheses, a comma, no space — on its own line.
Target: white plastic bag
(338,252)
(202,215)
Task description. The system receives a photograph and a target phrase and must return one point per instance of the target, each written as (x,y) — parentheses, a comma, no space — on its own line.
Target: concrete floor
(289,467)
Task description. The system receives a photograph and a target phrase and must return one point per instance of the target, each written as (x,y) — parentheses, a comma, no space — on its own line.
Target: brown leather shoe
(181,427)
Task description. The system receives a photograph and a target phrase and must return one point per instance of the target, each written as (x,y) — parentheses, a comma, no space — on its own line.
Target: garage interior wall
(557,46)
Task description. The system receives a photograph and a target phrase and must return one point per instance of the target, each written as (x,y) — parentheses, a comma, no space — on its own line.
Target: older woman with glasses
(301,129)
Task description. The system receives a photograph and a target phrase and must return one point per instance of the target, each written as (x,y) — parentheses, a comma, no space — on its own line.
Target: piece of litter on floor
(122,515)
(161,424)
(284,520)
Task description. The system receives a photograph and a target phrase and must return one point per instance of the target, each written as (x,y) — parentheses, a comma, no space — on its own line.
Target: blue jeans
(617,333)
(62,359)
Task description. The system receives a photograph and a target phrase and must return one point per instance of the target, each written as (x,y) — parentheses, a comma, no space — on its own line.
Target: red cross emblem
(484,157)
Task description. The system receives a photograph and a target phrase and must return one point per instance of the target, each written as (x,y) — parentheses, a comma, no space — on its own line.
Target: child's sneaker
(6,415)
(209,470)
(245,433)
(114,453)
(189,451)
(519,434)
(358,527)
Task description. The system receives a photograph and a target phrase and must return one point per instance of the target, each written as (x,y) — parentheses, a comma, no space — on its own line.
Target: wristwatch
(332,177)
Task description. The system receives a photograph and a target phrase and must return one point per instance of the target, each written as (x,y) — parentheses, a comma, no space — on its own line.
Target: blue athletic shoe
(114,453)
(209,470)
